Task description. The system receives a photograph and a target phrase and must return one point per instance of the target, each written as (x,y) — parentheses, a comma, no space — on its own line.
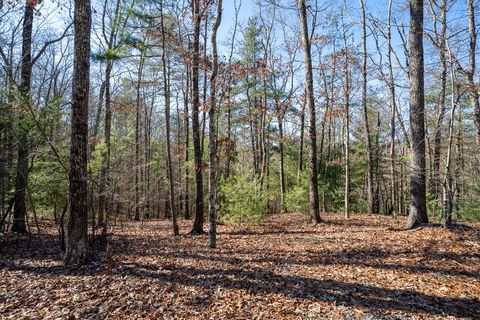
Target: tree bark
(98,114)
(448,178)
(187,144)
(418,206)
(474,95)
(437,143)
(77,250)
(212,178)
(137,138)
(19,207)
(105,171)
(346,98)
(166,93)
(393,111)
(368,142)
(199,219)
(283,188)
(102,206)
(312,161)
(302,134)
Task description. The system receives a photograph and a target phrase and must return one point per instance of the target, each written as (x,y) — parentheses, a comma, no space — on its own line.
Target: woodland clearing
(363,268)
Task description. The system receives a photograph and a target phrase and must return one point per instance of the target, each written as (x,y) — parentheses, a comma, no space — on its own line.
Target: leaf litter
(363,268)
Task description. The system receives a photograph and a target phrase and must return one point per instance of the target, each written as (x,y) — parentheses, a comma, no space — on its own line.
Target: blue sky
(228,16)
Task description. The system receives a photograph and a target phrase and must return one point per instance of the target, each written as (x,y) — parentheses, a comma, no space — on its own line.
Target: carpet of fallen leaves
(363,268)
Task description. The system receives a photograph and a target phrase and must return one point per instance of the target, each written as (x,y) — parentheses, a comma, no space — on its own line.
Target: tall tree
(448,191)
(166,94)
(393,109)
(439,39)
(212,178)
(368,140)
(19,208)
(138,115)
(472,53)
(346,102)
(418,204)
(27,63)
(110,56)
(77,243)
(197,151)
(312,128)
(186,124)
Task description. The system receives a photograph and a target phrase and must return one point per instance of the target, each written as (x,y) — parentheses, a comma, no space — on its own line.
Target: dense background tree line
(315,106)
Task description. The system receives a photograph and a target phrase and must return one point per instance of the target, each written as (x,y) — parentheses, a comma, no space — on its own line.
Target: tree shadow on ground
(234,267)
(265,232)
(371,257)
(263,282)
(33,246)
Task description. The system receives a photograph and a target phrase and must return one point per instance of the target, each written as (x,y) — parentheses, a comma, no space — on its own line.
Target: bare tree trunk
(205,83)
(448,178)
(148,111)
(77,243)
(178,123)
(370,184)
(98,113)
(393,111)
(252,126)
(187,139)
(312,161)
(346,98)
(437,145)
(460,157)
(105,171)
(198,221)
(19,206)
(230,147)
(418,205)
(302,133)
(263,124)
(474,95)
(283,188)
(102,206)
(166,93)
(324,159)
(137,138)
(376,163)
(212,179)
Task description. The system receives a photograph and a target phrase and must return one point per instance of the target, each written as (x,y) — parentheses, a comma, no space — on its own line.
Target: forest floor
(363,268)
